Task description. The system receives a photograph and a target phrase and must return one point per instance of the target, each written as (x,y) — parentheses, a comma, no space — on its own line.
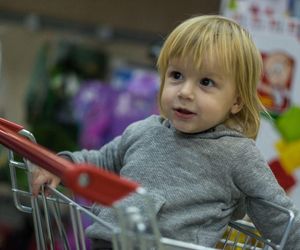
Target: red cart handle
(11,125)
(86,180)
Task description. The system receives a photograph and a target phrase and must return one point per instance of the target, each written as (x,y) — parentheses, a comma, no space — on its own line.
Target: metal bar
(88,181)
(61,229)
(80,228)
(47,219)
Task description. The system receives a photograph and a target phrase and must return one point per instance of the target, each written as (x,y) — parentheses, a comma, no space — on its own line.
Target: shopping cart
(59,220)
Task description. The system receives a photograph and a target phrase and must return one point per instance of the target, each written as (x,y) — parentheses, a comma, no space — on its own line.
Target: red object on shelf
(93,183)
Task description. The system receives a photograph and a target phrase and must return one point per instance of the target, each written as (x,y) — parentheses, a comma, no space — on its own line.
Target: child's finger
(37,182)
(54,182)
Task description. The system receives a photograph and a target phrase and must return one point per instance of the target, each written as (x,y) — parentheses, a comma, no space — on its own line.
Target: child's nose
(187,90)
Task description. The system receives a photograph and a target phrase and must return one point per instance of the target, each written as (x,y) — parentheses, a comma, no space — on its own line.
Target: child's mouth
(183,113)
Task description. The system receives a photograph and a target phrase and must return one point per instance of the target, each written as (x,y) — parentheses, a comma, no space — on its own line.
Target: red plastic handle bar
(10,125)
(86,180)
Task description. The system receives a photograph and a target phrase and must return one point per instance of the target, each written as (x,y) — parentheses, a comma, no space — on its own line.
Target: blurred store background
(77,73)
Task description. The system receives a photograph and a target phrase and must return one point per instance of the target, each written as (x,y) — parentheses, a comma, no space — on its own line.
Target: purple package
(137,101)
(93,110)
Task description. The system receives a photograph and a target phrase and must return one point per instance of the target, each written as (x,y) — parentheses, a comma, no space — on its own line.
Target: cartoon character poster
(278,139)
(275,86)
(278,38)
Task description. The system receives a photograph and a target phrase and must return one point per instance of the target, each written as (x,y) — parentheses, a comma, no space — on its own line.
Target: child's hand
(41,176)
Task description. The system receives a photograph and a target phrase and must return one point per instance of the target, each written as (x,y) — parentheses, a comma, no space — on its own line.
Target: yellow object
(289,155)
(267,101)
(237,240)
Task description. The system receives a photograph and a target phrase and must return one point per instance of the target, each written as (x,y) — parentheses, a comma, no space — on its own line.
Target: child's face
(196,100)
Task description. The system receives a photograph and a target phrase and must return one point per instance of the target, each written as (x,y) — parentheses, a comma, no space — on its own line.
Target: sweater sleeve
(107,157)
(255,179)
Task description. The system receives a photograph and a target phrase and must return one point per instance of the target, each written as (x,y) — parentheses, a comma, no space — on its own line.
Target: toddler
(197,159)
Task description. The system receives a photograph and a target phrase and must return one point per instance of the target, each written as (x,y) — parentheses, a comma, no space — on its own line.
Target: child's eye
(207,82)
(176,75)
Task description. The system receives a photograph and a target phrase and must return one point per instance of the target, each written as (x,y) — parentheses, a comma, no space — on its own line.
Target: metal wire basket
(60,219)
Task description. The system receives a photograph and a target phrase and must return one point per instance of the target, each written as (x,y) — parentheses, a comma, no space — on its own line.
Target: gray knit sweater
(198,182)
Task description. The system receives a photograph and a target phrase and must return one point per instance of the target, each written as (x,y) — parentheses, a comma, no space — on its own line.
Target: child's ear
(237,106)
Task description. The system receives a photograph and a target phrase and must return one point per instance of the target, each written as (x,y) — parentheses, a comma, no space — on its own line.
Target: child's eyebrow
(172,62)
(173,66)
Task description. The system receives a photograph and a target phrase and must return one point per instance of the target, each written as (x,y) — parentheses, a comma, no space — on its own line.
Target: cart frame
(136,230)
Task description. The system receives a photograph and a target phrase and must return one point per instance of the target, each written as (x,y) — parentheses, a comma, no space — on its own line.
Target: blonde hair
(236,54)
